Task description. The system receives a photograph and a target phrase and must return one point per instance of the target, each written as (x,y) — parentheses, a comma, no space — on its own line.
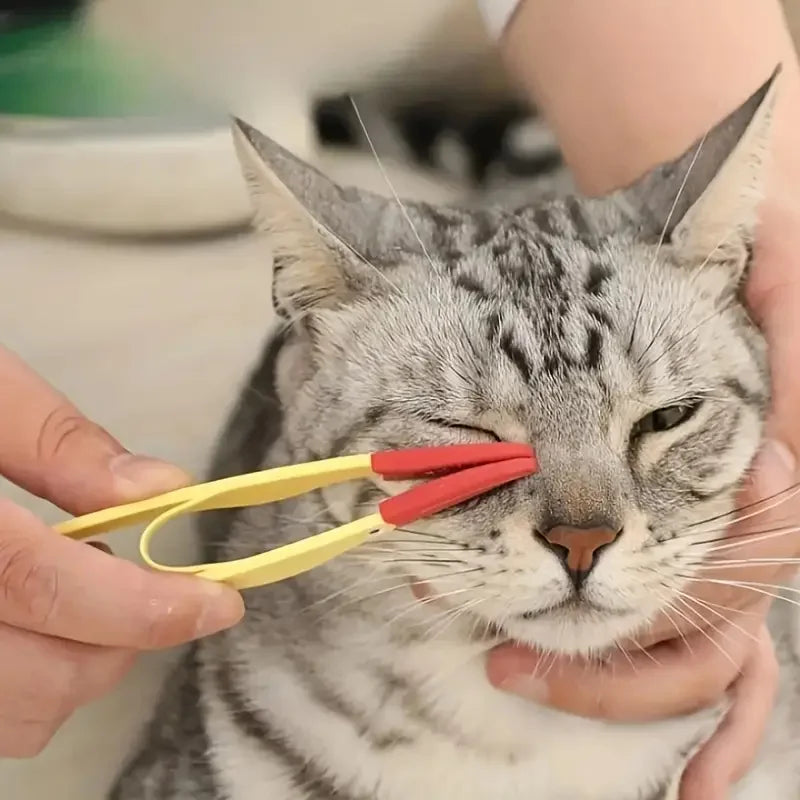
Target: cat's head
(608,333)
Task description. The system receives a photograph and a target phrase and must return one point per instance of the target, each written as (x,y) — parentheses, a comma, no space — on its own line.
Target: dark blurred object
(18,14)
(463,139)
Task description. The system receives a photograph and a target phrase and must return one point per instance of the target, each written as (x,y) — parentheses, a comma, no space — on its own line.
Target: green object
(59,69)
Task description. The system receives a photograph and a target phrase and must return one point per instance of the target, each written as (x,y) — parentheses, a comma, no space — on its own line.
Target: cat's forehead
(556,310)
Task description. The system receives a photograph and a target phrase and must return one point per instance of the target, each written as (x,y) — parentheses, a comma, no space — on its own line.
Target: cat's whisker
(418,603)
(704,622)
(696,272)
(637,644)
(749,562)
(404,211)
(314,519)
(666,607)
(675,342)
(713,250)
(660,244)
(627,657)
(553,656)
(404,584)
(749,538)
(425,533)
(405,546)
(720,606)
(687,598)
(675,202)
(770,502)
(447,611)
(376,576)
(759,584)
(444,621)
(432,560)
(703,632)
(755,588)
(385,174)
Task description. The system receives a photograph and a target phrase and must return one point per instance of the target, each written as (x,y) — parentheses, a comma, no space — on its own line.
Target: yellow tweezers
(471,470)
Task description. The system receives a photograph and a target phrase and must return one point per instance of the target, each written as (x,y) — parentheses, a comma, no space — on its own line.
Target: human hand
(72,617)
(718,644)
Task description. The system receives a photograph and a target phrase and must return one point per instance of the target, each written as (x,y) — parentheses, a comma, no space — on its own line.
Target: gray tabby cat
(608,333)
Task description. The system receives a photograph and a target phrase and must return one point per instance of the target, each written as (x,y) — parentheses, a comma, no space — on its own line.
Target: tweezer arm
(267,486)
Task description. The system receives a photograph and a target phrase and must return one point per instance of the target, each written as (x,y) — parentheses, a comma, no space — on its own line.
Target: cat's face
(627,362)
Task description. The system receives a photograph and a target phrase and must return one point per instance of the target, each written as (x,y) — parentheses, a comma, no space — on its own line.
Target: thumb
(49,448)
(772,475)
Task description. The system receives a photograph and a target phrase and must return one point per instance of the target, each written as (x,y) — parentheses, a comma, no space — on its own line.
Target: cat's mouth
(573,604)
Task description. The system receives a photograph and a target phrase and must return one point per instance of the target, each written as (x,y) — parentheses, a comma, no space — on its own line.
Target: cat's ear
(314,226)
(705,202)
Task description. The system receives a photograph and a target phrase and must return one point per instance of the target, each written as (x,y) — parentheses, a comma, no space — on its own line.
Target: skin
(627,85)
(72,617)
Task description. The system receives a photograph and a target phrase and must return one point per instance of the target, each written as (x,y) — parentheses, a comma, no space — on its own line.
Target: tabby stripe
(703,496)
(372,416)
(596,278)
(543,219)
(471,285)
(161,759)
(594,349)
(516,356)
(327,698)
(753,399)
(493,326)
(414,708)
(580,224)
(305,774)
(600,316)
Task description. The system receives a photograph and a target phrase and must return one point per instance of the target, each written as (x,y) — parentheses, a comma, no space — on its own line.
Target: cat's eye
(664,419)
(471,429)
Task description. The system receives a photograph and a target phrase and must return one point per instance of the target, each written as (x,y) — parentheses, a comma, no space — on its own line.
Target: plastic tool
(456,473)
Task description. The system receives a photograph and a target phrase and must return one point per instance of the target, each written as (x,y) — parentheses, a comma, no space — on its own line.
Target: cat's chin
(576,630)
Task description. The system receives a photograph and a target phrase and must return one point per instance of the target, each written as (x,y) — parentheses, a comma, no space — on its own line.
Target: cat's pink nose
(578,548)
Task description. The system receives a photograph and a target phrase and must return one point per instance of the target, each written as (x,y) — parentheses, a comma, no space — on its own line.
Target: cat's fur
(561,325)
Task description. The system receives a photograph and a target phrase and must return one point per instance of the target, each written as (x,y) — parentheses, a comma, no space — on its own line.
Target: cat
(609,333)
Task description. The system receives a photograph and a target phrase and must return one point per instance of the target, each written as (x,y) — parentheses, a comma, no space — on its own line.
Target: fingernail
(777,451)
(527,686)
(138,476)
(223,609)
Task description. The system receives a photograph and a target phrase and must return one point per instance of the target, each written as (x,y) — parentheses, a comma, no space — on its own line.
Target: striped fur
(567,324)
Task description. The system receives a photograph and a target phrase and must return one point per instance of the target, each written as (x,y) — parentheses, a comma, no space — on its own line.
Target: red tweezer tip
(488,466)
(421,461)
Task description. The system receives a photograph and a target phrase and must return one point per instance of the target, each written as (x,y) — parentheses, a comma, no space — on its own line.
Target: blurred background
(127,275)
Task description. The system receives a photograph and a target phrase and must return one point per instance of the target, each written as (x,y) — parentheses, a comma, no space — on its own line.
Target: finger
(730,753)
(59,587)
(769,496)
(744,564)
(773,294)
(676,677)
(43,678)
(49,448)
(26,739)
